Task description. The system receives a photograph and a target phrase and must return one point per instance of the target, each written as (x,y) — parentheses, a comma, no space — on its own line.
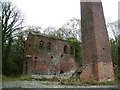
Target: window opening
(103,48)
(61,71)
(29,45)
(35,57)
(41,44)
(51,56)
(71,50)
(65,49)
(61,55)
(49,46)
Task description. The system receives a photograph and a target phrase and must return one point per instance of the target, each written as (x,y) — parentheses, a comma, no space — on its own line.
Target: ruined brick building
(47,55)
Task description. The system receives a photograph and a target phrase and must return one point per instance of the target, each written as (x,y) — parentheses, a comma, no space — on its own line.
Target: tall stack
(95,42)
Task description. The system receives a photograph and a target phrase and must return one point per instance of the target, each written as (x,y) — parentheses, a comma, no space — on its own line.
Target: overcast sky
(57,12)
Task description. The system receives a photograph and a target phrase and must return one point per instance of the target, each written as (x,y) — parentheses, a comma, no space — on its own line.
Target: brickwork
(96,50)
(47,55)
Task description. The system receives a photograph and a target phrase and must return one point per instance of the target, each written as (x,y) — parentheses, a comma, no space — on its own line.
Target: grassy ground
(15,78)
(76,81)
(70,81)
(28,78)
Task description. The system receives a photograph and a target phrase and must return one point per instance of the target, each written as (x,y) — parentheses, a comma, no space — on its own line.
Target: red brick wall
(49,61)
(95,42)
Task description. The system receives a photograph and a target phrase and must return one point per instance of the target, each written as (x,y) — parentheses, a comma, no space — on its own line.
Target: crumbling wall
(49,55)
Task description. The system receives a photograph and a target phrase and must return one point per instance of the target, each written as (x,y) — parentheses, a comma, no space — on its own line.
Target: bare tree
(11,22)
(52,31)
(68,30)
(112,27)
(72,29)
(35,28)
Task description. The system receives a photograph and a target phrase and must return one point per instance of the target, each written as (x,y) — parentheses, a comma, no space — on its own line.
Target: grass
(76,81)
(28,78)
(15,78)
(70,81)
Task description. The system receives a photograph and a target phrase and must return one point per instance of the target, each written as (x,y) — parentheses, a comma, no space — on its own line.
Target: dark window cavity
(61,71)
(61,55)
(71,50)
(51,56)
(49,46)
(29,45)
(65,49)
(35,57)
(103,48)
(41,44)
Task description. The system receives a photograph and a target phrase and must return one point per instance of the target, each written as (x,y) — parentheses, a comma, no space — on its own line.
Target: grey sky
(57,12)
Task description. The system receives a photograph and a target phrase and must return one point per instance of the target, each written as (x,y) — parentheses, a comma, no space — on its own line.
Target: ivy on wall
(77,50)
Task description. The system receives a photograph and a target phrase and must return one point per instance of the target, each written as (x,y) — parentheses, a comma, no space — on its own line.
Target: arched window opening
(65,49)
(71,50)
(41,44)
(49,46)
